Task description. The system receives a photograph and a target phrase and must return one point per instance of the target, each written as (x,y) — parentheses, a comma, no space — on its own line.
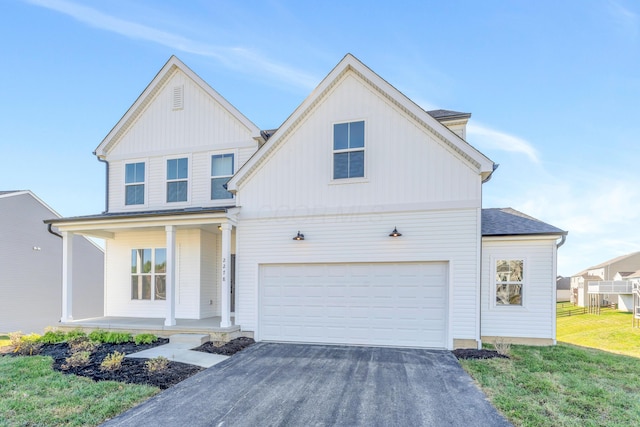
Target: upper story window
(221,172)
(134,184)
(177,179)
(348,150)
(509,281)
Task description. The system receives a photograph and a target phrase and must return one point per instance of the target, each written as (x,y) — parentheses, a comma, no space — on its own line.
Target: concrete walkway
(179,350)
(271,384)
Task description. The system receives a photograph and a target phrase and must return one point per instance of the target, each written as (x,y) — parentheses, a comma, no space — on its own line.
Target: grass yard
(32,393)
(562,385)
(610,331)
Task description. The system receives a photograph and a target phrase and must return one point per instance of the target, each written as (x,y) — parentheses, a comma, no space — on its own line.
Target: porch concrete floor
(209,324)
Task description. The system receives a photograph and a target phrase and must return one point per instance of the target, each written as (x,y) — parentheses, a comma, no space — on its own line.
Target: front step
(194,340)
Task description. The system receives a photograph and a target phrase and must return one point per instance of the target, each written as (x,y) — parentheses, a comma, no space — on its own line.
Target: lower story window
(149,274)
(509,281)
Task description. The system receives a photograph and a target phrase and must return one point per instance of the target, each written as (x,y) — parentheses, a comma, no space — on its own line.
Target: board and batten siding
(435,236)
(201,128)
(196,279)
(536,317)
(405,164)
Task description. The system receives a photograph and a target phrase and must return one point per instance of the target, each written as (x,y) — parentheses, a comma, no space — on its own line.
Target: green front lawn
(32,393)
(561,385)
(610,331)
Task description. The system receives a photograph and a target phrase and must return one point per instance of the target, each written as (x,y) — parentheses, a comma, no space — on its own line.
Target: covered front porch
(165,271)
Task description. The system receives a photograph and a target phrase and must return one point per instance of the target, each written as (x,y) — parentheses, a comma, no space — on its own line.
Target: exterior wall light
(395,233)
(299,236)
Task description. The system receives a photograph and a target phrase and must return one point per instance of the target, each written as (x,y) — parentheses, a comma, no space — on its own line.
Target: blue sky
(554,89)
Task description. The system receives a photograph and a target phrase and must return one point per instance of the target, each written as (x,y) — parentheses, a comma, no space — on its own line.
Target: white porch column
(67,276)
(170,319)
(225,300)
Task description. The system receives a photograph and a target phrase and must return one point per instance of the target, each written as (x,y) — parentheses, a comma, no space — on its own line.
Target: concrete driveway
(272,384)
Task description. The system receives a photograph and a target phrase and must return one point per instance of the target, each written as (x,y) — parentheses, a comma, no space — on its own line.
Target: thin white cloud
(625,21)
(233,57)
(488,138)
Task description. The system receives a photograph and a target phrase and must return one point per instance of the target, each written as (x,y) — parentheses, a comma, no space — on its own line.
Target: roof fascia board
(149,93)
(538,236)
(351,63)
(142,222)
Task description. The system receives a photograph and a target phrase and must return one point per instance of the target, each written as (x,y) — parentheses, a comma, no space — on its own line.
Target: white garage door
(398,304)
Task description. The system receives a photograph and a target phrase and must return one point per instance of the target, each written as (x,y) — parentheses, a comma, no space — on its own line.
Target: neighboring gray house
(611,275)
(31,267)
(563,289)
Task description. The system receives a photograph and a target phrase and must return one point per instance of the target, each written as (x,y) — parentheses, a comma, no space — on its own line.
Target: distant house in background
(563,289)
(610,280)
(31,267)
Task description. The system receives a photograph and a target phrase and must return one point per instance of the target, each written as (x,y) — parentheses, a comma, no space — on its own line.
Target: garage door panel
(370,304)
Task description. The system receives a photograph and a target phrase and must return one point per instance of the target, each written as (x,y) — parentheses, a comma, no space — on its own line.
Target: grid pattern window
(509,281)
(177,179)
(221,172)
(348,150)
(134,183)
(149,274)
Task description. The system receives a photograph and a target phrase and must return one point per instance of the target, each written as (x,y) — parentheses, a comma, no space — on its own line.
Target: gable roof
(351,64)
(165,73)
(510,222)
(609,262)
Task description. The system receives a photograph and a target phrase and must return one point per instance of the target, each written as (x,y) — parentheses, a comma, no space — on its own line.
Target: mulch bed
(134,371)
(474,353)
(226,349)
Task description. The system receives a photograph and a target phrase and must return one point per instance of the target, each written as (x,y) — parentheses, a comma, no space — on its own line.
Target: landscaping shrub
(26,345)
(76,333)
(112,362)
(77,360)
(157,364)
(98,335)
(117,337)
(502,347)
(53,337)
(81,344)
(145,339)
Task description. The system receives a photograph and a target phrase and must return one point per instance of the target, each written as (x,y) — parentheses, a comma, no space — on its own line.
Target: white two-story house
(358,221)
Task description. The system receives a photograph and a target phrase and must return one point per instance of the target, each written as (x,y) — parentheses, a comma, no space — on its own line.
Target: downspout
(564,239)
(106,183)
(53,232)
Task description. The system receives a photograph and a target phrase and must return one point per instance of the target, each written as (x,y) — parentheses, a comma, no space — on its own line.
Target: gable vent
(178,97)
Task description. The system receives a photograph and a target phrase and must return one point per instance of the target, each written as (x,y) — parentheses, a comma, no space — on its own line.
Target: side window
(221,171)
(134,184)
(177,179)
(149,274)
(509,281)
(348,150)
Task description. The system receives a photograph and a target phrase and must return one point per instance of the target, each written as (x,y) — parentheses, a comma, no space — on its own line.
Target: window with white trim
(149,274)
(348,150)
(177,179)
(221,172)
(509,281)
(134,183)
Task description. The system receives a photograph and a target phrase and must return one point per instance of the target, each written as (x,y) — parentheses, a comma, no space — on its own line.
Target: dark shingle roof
(510,222)
(448,114)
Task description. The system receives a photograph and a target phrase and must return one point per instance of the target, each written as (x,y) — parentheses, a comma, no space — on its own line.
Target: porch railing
(610,287)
